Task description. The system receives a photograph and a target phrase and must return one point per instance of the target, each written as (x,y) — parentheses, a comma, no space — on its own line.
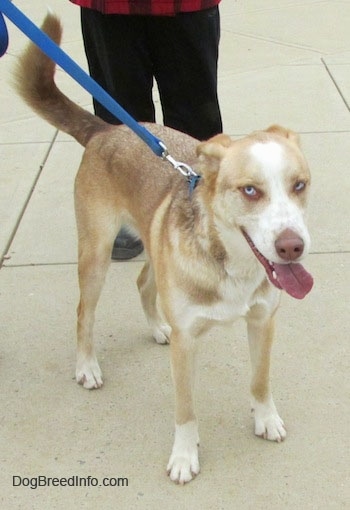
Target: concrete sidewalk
(282,61)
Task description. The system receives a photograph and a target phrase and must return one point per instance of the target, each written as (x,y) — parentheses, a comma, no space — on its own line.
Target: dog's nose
(289,245)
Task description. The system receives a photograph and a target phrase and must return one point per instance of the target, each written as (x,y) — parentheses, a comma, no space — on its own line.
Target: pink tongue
(294,279)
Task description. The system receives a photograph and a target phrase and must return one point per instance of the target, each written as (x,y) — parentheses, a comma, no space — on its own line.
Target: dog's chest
(235,298)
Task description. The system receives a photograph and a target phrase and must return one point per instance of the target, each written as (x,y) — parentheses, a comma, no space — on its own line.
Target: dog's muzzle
(290,276)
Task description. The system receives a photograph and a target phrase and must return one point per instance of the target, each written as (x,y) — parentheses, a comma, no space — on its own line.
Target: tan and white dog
(224,252)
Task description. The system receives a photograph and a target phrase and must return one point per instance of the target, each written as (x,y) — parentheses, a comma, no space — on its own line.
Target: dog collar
(192,182)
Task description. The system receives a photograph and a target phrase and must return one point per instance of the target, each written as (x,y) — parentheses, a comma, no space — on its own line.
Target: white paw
(88,373)
(183,464)
(268,423)
(161,333)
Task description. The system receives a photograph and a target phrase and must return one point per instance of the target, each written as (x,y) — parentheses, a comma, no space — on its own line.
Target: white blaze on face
(281,212)
(269,156)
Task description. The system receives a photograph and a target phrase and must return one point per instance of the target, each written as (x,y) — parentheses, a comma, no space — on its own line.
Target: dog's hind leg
(148,292)
(268,424)
(97,228)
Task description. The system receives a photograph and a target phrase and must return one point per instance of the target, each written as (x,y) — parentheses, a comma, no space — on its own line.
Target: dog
(224,251)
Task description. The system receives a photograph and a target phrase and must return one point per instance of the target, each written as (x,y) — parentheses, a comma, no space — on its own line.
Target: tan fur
(200,269)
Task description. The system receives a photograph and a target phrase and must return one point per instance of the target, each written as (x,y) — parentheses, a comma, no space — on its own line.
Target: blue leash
(55,53)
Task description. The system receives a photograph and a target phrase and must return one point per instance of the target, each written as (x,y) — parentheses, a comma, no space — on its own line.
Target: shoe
(126,246)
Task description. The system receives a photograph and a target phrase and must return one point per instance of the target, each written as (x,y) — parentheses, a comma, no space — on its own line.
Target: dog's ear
(215,146)
(213,150)
(286,133)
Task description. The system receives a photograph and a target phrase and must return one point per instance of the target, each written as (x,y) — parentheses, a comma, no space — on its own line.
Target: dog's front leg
(183,463)
(268,424)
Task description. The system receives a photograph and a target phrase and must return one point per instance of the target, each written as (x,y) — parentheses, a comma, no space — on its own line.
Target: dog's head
(260,185)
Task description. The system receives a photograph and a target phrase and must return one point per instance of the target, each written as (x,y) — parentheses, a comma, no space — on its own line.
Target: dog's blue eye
(250,191)
(299,186)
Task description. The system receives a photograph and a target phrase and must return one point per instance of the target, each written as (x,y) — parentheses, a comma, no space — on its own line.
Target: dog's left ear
(212,151)
(286,133)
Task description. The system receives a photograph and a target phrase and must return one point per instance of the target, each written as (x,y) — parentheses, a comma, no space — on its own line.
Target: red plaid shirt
(153,7)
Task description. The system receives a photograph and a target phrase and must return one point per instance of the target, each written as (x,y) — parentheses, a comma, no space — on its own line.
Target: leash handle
(53,51)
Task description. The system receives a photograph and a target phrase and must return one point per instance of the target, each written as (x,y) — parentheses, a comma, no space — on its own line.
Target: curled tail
(34,82)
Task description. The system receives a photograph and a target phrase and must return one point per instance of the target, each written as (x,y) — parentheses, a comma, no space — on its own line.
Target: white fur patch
(161,333)
(268,423)
(88,372)
(269,155)
(183,463)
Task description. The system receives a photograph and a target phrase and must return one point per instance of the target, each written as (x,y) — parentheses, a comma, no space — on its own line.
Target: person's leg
(184,50)
(117,55)
(118,59)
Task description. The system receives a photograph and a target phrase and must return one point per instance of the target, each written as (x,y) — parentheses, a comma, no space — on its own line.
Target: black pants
(125,53)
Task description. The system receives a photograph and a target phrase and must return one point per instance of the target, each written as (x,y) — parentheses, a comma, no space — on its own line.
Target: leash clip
(184,169)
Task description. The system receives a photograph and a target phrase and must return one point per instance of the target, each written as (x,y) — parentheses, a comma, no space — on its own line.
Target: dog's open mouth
(292,277)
